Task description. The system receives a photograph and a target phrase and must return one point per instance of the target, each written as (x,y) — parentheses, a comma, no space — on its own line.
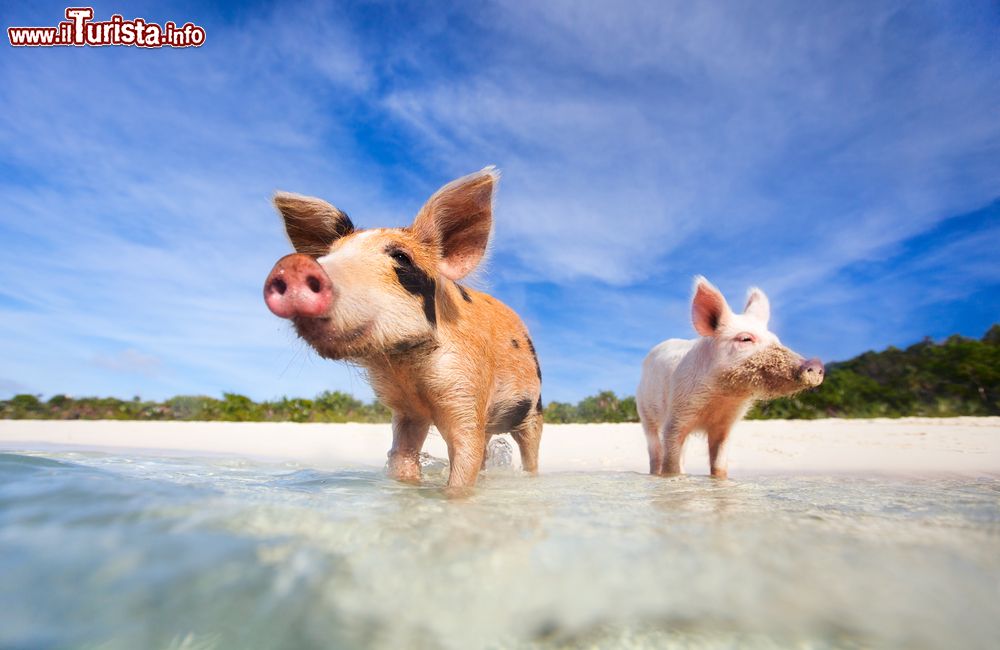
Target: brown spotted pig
(388,299)
(708,384)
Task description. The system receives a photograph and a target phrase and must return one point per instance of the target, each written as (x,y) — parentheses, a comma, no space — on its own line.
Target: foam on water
(145,551)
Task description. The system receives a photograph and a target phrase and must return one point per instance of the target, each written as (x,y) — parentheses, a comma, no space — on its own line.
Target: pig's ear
(457,220)
(758,305)
(312,224)
(709,309)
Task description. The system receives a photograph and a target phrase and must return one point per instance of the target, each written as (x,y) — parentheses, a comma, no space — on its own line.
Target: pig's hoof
(405,475)
(458,491)
(407,469)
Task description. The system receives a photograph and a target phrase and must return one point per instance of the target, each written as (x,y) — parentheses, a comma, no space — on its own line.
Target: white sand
(909,445)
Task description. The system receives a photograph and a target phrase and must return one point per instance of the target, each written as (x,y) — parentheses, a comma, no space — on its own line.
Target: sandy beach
(907,446)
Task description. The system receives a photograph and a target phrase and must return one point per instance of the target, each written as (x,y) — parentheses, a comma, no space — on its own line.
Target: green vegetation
(326,407)
(603,407)
(960,376)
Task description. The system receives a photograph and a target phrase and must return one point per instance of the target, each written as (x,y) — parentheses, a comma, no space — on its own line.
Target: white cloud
(129,361)
(628,131)
(9,387)
(144,223)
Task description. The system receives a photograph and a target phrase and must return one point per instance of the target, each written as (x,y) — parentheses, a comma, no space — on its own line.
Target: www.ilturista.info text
(79,29)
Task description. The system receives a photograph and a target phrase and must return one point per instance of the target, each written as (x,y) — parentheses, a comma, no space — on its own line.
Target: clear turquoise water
(158,552)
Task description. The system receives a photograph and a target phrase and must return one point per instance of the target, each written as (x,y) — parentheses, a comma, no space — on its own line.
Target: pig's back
(502,345)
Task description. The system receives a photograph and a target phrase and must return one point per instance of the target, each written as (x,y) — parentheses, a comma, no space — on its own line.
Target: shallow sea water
(116,551)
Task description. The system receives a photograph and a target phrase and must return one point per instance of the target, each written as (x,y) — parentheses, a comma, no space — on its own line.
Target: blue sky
(844,157)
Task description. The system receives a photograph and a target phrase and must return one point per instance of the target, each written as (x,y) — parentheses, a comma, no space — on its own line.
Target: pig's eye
(401,257)
(745,338)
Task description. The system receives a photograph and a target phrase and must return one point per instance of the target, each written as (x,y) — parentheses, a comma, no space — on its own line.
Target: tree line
(959,376)
(325,407)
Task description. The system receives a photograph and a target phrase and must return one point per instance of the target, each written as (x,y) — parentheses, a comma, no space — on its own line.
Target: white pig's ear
(758,305)
(457,220)
(709,309)
(312,224)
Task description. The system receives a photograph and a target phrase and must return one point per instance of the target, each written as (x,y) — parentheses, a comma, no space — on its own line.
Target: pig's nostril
(279,285)
(813,367)
(314,283)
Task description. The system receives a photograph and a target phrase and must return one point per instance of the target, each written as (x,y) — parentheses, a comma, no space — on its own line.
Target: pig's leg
(528,436)
(408,435)
(486,446)
(466,451)
(718,440)
(653,445)
(674,434)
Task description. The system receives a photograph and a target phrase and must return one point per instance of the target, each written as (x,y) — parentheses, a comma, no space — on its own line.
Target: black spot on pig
(412,346)
(465,294)
(531,346)
(417,282)
(508,417)
(514,343)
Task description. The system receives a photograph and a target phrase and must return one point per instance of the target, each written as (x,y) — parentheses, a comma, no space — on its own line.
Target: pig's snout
(812,372)
(298,286)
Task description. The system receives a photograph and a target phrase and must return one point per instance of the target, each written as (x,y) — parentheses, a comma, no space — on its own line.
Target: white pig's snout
(812,371)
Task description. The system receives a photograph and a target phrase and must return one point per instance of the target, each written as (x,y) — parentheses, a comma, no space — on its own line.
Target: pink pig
(708,384)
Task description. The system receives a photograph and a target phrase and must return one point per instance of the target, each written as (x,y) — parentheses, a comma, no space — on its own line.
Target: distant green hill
(959,376)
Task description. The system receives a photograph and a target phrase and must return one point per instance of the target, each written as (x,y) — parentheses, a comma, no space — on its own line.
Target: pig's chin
(331,342)
(772,372)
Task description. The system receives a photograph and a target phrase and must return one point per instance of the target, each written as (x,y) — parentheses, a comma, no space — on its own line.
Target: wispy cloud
(129,361)
(634,131)
(10,387)
(138,217)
